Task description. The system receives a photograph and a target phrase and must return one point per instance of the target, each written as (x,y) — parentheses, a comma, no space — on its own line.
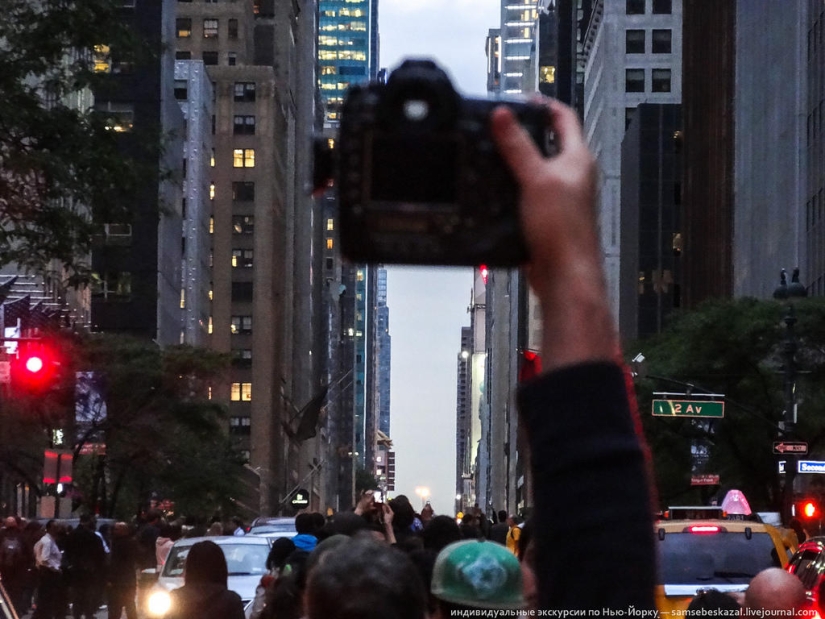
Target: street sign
(688,408)
(811,466)
(300,499)
(704,480)
(790,447)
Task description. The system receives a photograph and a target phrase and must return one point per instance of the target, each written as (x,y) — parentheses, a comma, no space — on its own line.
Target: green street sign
(688,408)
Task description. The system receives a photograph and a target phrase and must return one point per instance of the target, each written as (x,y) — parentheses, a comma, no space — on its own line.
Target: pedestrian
(365,579)
(305,526)
(774,591)
(468,528)
(513,535)
(16,558)
(48,558)
(86,560)
(278,555)
(147,536)
(238,528)
(204,594)
(476,574)
(215,529)
(163,544)
(441,531)
(498,532)
(576,415)
(121,575)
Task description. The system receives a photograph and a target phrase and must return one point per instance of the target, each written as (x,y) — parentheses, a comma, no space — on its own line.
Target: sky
(428,306)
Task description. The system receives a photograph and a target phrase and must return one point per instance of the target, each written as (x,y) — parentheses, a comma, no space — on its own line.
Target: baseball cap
(479,574)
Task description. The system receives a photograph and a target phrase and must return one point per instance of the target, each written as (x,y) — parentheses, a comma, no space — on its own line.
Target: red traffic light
(36,368)
(809,509)
(34,364)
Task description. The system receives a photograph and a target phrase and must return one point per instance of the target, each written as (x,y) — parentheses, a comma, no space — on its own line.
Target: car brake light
(703,529)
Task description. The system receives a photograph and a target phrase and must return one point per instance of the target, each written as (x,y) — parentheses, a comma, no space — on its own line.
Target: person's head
(281,549)
(120,530)
(347,523)
(710,602)
(53,527)
(365,579)
(477,574)
(10,522)
(216,528)
(87,522)
(775,589)
(440,532)
(403,512)
(318,521)
(237,523)
(304,523)
(205,564)
(502,516)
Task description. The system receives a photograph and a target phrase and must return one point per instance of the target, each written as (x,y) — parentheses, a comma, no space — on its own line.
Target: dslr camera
(418,177)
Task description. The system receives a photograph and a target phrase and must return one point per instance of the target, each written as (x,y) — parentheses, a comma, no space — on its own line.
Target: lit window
(209,326)
(327,70)
(241,392)
(241,324)
(547,75)
(120,117)
(210,28)
(212,159)
(102,59)
(242,258)
(243,158)
(244,91)
(209,392)
(243,224)
(211,225)
(210,294)
(329,243)
(183,298)
(211,191)
(183,25)
(330,224)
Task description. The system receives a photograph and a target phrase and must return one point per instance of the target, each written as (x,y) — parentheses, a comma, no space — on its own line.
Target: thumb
(515,145)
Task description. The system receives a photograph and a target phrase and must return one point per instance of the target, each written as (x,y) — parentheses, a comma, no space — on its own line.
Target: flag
(308,425)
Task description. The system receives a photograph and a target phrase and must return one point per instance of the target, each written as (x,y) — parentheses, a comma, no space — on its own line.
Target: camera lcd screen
(421,169)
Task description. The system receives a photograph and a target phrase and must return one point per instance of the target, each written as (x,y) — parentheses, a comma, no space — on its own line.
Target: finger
(515,145)
(566,126)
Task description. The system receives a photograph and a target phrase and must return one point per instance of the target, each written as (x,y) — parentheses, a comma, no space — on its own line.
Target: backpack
(11,552)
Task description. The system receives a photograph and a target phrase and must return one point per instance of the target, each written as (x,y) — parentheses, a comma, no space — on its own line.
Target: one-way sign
(790,447)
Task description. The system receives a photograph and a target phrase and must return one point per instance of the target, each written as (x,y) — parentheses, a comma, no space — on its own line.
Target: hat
(478,573)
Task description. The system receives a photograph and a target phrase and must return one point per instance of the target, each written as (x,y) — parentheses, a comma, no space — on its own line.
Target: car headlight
(159,603)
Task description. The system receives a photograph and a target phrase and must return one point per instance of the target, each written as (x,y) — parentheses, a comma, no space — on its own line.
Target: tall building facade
(814,187)
(137,265)
(265,233)
(634,56)
(383,342)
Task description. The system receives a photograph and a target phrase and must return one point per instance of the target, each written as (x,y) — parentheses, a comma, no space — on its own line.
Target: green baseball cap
(478,573)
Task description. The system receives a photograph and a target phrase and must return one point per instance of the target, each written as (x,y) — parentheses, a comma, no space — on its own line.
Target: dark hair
(205,564)
(319,520)
(304,523)
(440,532)
(502,516)
(280,551)
(424,561)
(365,579)
(403,513)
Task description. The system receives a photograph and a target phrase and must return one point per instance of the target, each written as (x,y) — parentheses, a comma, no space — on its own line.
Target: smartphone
(377,496)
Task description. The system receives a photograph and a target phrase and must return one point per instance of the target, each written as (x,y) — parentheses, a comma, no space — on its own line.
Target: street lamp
(424,493)
(787,292)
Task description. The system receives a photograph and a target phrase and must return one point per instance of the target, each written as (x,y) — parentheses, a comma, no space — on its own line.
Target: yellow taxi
(704,548)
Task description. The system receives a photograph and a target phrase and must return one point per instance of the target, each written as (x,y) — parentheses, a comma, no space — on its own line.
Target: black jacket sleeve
(593,520)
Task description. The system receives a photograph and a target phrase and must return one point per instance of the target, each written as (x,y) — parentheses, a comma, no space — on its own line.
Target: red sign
(93,449)
(704,480)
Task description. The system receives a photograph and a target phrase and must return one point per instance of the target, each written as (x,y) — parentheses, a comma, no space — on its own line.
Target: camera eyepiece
(420,97)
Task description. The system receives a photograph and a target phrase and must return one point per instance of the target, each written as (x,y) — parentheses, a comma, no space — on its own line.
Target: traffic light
(35,369)
(808,510)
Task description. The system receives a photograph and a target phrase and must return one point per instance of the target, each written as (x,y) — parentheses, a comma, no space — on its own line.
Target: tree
(59,159)
(733,348)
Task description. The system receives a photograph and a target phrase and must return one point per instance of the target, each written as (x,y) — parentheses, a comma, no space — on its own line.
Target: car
(713,553)
(273,527)
(808,564)
(245,559)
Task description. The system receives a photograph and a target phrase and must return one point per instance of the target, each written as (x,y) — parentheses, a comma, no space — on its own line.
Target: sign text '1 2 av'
(688,408)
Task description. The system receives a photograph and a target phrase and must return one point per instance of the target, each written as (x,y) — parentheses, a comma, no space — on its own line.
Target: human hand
(558,218)
(388,515)
(365,503)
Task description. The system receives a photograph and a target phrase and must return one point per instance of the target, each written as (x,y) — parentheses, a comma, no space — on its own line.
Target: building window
(628,116)
(183,298)
(547,74)
(330,224)
(240,425)
(231,59)
(243,158)
(241,291)
(330,263)
(232,31)
(661,80)
(244,91)
(212,159)
(112,285)
(241,392)
(120,117)
(634,42)
(662,41)
(183,26)
(183,55)
(241,324)
(635,7)
(210,58)
(330,243)
(211,191)
(662,7)
(181,90)
(244,125)
(211,225)
(102,59)
(243,224)
(634,80)
(210,28)
(242,258)
(242,356)
(243,191)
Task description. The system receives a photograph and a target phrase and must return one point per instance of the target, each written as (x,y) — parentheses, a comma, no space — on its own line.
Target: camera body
(419,178)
